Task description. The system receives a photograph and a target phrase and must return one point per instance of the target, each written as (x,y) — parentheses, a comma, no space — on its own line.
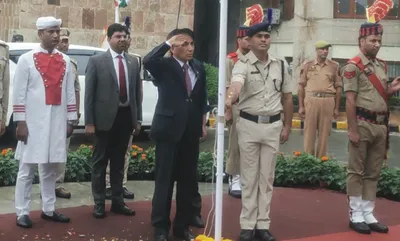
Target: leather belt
(379,118)
(260,119)
(320,94)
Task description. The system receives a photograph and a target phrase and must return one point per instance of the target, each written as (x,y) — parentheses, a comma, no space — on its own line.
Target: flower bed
(292,170)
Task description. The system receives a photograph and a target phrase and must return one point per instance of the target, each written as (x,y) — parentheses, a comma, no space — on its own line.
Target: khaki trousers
(233,161)
(319,115)
(60,169)
(365,162)
(259,147)
(126,167)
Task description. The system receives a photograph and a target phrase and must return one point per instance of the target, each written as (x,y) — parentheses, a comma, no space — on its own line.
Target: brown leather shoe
(62,193)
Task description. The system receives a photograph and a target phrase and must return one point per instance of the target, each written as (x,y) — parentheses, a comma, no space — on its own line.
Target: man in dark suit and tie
(178,124)
(113,109)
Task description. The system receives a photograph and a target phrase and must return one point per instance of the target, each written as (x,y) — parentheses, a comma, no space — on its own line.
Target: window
(356,9)
(286,7)
(53,2)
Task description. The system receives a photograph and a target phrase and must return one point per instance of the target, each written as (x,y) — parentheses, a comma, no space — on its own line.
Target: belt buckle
(263,120)
(380,118)
(319,95)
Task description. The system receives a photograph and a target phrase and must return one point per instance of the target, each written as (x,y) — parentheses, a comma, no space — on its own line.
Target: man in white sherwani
(44,108)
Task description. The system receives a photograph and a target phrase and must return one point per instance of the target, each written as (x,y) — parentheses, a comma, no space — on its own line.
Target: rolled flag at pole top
(121,3)
(378,10)
(254,15)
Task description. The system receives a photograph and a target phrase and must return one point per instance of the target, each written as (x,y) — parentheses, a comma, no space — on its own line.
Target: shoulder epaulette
(355,60)
(234,56)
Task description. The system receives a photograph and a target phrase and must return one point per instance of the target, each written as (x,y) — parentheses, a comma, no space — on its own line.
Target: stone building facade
(151,19)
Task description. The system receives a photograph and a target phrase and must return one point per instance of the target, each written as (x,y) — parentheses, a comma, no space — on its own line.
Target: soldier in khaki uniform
(320,89)
(233,161)
(367,91)
(262,84)
(4,84)
(63,47)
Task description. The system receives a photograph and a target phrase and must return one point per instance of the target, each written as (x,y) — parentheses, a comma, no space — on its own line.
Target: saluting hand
(178,40)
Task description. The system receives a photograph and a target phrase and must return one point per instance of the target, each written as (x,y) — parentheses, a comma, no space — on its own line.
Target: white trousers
(23,188)
(61,169)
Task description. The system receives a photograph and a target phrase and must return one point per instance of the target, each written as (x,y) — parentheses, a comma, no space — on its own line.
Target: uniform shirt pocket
(256,84)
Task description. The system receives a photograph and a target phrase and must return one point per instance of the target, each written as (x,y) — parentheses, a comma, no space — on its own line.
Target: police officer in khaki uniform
(4,84)
(367,91)
(63,46)
(320,90)
(262,84)
(233,161)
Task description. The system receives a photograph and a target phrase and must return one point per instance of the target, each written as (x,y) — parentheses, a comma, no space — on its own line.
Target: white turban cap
(47,22)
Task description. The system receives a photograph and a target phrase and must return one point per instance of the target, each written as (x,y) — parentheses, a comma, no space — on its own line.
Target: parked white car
(81,54)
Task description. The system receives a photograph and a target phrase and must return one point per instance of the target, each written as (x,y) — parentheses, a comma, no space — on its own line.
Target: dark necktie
(122,80)
(187,79)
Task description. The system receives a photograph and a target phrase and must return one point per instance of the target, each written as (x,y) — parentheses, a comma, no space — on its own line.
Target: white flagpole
(117,12)
(223,22)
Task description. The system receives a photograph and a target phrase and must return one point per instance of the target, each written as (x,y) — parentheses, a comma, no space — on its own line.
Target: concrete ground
(81,194)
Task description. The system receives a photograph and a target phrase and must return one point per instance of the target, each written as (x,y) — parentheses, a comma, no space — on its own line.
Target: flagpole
(116,13)
(221,116)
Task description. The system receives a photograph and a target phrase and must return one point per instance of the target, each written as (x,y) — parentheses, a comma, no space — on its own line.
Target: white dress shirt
(116,67)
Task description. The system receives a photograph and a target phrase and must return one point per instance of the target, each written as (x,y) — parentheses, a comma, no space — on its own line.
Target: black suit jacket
(102,91)
(175,110)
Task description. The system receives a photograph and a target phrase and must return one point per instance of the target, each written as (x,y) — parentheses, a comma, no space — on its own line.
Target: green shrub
(293,170)
(212,83)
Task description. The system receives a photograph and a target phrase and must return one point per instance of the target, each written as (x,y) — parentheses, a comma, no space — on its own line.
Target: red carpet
(297,214)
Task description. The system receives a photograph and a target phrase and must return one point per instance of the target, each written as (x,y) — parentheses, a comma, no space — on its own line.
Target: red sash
(371,77)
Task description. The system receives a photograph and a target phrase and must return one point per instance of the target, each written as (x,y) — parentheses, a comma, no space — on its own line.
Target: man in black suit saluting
(178,124)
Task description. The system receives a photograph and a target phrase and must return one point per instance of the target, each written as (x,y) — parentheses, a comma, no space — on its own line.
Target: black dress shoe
(62,193)
(108,193)
(378,227)
(99,211)
(264,235)
(360,227)
(127,194)
(246,235)
(160,235)
(122,209)
(197,222)
(56,217)
(183,234)
(24,222)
